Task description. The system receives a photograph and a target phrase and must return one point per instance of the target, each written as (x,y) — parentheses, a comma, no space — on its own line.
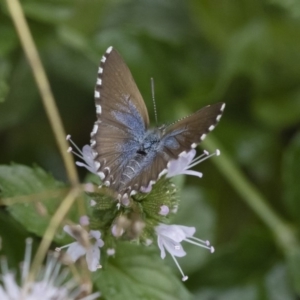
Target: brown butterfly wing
(188,132)
(121,117)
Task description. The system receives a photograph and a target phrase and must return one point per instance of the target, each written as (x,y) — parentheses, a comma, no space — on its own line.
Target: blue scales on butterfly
(128,155)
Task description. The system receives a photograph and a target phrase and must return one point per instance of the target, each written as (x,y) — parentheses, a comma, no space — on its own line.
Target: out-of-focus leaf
(5,69)
(291,175)
(138,273)
(162,20)
(87,15)
(253,147)
(69,66)
(220,21)
(8,40)
(12,248)
(244,53)
(52,12)
(3,90)
(281,110)
(75,40)
(248,292)
(32,196)
(292,6)
(277,283)
(21,98)
(275,286)
(246,259)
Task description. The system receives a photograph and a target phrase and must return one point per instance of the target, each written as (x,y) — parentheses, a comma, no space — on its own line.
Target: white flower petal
(3,295)
(173,232)
(174,248)
(177,166)
(93,258)
(161,247)
(100,243)
(75,250)
(188,231)
(92,169)
(96,234)
(88,157)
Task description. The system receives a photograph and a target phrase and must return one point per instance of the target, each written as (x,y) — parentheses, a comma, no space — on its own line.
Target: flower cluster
(51,282)
(143,217)
(86,244)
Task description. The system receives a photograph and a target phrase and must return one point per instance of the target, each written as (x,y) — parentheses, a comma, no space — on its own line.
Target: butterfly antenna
(153,98)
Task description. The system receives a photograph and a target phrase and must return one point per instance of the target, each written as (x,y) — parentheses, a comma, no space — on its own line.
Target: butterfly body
(129,155)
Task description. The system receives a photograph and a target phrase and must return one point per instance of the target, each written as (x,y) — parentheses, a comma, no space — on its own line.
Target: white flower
(185,161)
(79,248)
(169,237)
(50,283)
(86,155)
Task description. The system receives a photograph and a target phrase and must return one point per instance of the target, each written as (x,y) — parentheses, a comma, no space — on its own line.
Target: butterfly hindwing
(188,132)
(178,137)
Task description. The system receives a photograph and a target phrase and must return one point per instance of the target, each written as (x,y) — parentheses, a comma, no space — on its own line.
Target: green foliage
(245,53)
(32,196)
(137,273)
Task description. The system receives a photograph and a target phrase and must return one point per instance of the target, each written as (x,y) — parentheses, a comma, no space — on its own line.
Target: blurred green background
(242,52)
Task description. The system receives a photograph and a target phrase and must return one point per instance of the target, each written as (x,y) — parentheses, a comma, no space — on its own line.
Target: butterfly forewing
(122,116)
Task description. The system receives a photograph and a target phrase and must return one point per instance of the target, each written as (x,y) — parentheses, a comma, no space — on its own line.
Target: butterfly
(129,155)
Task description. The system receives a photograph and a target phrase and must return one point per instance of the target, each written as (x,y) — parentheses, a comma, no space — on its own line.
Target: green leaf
(285,106)
(21,99)
(9,40)
(220,22)
(54,12)
(12,248)
(171,18)
(291,175)
(252,146)
(277,283)
(32,196)
(248,258)
(138,273)
(274,285)
(248,292)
